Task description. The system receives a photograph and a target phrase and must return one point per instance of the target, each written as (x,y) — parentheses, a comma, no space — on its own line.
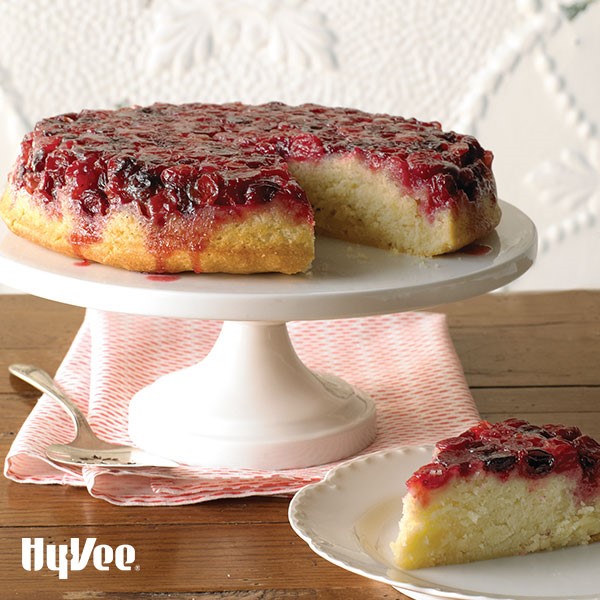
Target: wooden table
(535,356)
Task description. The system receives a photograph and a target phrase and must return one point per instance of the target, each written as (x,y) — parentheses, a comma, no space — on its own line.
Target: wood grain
(530,355)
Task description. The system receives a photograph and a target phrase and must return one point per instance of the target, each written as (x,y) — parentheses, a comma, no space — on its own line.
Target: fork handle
(42,381)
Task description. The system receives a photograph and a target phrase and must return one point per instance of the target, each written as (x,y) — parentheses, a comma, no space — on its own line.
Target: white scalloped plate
(351,517)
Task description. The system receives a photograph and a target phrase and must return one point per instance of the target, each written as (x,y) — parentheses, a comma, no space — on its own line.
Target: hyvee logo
(35,553)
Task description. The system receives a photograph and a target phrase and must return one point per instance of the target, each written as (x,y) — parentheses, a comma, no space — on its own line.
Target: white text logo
(35,553)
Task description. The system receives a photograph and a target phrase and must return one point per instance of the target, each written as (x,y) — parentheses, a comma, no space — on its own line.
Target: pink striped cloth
(406,362)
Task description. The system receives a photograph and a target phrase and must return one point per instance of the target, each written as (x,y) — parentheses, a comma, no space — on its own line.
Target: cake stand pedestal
(251,403)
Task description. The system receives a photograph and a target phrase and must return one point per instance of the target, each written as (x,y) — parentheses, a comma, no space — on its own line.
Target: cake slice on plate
(500,490)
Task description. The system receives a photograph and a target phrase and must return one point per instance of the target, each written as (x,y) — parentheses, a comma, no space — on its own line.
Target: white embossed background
(522,75)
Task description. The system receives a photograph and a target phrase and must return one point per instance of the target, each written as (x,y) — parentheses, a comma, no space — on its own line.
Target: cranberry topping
(168,158)
(539,461)
(510,446)
(561,431)
(499,462)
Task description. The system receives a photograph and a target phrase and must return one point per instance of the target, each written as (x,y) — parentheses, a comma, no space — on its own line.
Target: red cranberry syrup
(513,447)
(162,277)
(476,249)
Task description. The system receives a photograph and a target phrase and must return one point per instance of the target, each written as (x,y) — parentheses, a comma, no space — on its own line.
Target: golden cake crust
(232,247)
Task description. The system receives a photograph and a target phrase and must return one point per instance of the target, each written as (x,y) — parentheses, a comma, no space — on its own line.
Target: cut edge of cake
(352,202)
(489,519)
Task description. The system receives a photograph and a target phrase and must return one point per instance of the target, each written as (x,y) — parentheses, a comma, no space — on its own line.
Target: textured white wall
(520,74)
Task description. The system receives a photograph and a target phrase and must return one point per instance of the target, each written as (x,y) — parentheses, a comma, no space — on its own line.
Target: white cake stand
(251,403)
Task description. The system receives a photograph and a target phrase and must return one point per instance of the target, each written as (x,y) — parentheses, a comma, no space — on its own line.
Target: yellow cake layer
(356,203)
(482,517)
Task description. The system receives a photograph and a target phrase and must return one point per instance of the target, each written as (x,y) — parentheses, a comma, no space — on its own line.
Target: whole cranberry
(538,461)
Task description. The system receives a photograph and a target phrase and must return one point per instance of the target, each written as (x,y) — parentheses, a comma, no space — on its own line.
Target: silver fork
(87,448)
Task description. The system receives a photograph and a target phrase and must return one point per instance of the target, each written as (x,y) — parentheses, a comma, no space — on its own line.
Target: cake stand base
(251,403)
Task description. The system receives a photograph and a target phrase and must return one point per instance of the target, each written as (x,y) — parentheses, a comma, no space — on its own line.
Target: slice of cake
(238,189)
(499,490)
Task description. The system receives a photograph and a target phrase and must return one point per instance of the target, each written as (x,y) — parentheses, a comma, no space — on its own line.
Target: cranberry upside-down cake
(501,490)
(239,189)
